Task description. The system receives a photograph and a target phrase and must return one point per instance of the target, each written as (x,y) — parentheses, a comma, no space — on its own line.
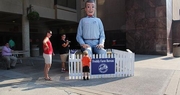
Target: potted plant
(32,16)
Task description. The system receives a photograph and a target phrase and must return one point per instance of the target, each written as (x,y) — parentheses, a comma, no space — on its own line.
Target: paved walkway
(154,75)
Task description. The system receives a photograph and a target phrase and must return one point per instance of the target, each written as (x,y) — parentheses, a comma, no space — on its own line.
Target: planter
(33,16)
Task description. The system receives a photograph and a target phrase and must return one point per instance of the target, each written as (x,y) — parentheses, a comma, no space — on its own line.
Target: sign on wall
(103,66)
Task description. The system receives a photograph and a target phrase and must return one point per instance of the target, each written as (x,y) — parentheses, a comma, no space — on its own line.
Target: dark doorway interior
(115,39)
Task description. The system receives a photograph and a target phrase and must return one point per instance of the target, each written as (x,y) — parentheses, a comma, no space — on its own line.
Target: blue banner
(73,51)
(103,66)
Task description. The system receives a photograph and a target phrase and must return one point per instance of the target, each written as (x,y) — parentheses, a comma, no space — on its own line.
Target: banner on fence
(103,66)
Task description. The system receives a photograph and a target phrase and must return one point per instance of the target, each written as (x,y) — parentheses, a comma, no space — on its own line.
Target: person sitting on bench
(7,56)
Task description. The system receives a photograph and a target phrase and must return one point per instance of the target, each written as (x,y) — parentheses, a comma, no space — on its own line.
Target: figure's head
(90,7)
(63,36)
(49,33)
(7,44)
(85,52)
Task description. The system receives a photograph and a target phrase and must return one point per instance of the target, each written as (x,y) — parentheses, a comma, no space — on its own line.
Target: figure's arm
(45,43)
(102,35)
(79,36)
(65,44)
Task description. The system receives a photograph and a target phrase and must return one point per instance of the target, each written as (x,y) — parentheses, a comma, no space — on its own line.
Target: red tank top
(50,50)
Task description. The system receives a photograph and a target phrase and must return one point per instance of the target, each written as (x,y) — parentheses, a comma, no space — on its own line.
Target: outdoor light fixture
(29,9)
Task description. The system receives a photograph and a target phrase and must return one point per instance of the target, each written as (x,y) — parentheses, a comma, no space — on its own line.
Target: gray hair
(89,1)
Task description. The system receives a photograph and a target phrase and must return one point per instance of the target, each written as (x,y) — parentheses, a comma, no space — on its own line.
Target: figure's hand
(53,54)
(67,41)
(99,46)
(85,45)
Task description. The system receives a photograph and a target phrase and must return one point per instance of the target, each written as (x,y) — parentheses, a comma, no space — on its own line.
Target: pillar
(25,28)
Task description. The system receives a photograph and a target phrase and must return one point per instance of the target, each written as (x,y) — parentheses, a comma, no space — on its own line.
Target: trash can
(176,49)
(35,51)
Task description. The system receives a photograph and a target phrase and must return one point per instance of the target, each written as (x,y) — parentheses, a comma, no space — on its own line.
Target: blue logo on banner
(103,66)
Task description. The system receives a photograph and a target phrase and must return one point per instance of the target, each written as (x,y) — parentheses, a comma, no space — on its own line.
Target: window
(66,3)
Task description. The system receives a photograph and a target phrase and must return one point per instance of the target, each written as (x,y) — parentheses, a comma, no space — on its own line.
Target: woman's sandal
(48,79)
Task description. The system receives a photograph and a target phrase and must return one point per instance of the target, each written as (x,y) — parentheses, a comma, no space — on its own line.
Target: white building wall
(45,8)
(11,6)
(43,3)
(176,9)
(66,14)
(45,12)
(169,17)
(169,12)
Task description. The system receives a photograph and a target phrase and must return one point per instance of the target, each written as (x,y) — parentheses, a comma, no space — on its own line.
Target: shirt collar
(90,16)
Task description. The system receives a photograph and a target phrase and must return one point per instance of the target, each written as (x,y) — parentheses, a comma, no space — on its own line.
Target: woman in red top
(85,63)
(47,54)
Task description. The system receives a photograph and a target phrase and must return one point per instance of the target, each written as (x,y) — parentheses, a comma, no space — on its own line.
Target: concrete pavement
(154,75)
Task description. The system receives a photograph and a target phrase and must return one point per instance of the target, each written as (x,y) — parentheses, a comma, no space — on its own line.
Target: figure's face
(63,37)
(90,9)
(7,44)
(49,35)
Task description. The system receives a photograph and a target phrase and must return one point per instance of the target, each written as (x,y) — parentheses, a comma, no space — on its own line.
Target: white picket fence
(124,64)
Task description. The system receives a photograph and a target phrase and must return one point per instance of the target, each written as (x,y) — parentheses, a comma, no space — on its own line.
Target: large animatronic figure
(90,33)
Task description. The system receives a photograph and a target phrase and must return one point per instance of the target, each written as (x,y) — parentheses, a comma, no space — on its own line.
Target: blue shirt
(90,28)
